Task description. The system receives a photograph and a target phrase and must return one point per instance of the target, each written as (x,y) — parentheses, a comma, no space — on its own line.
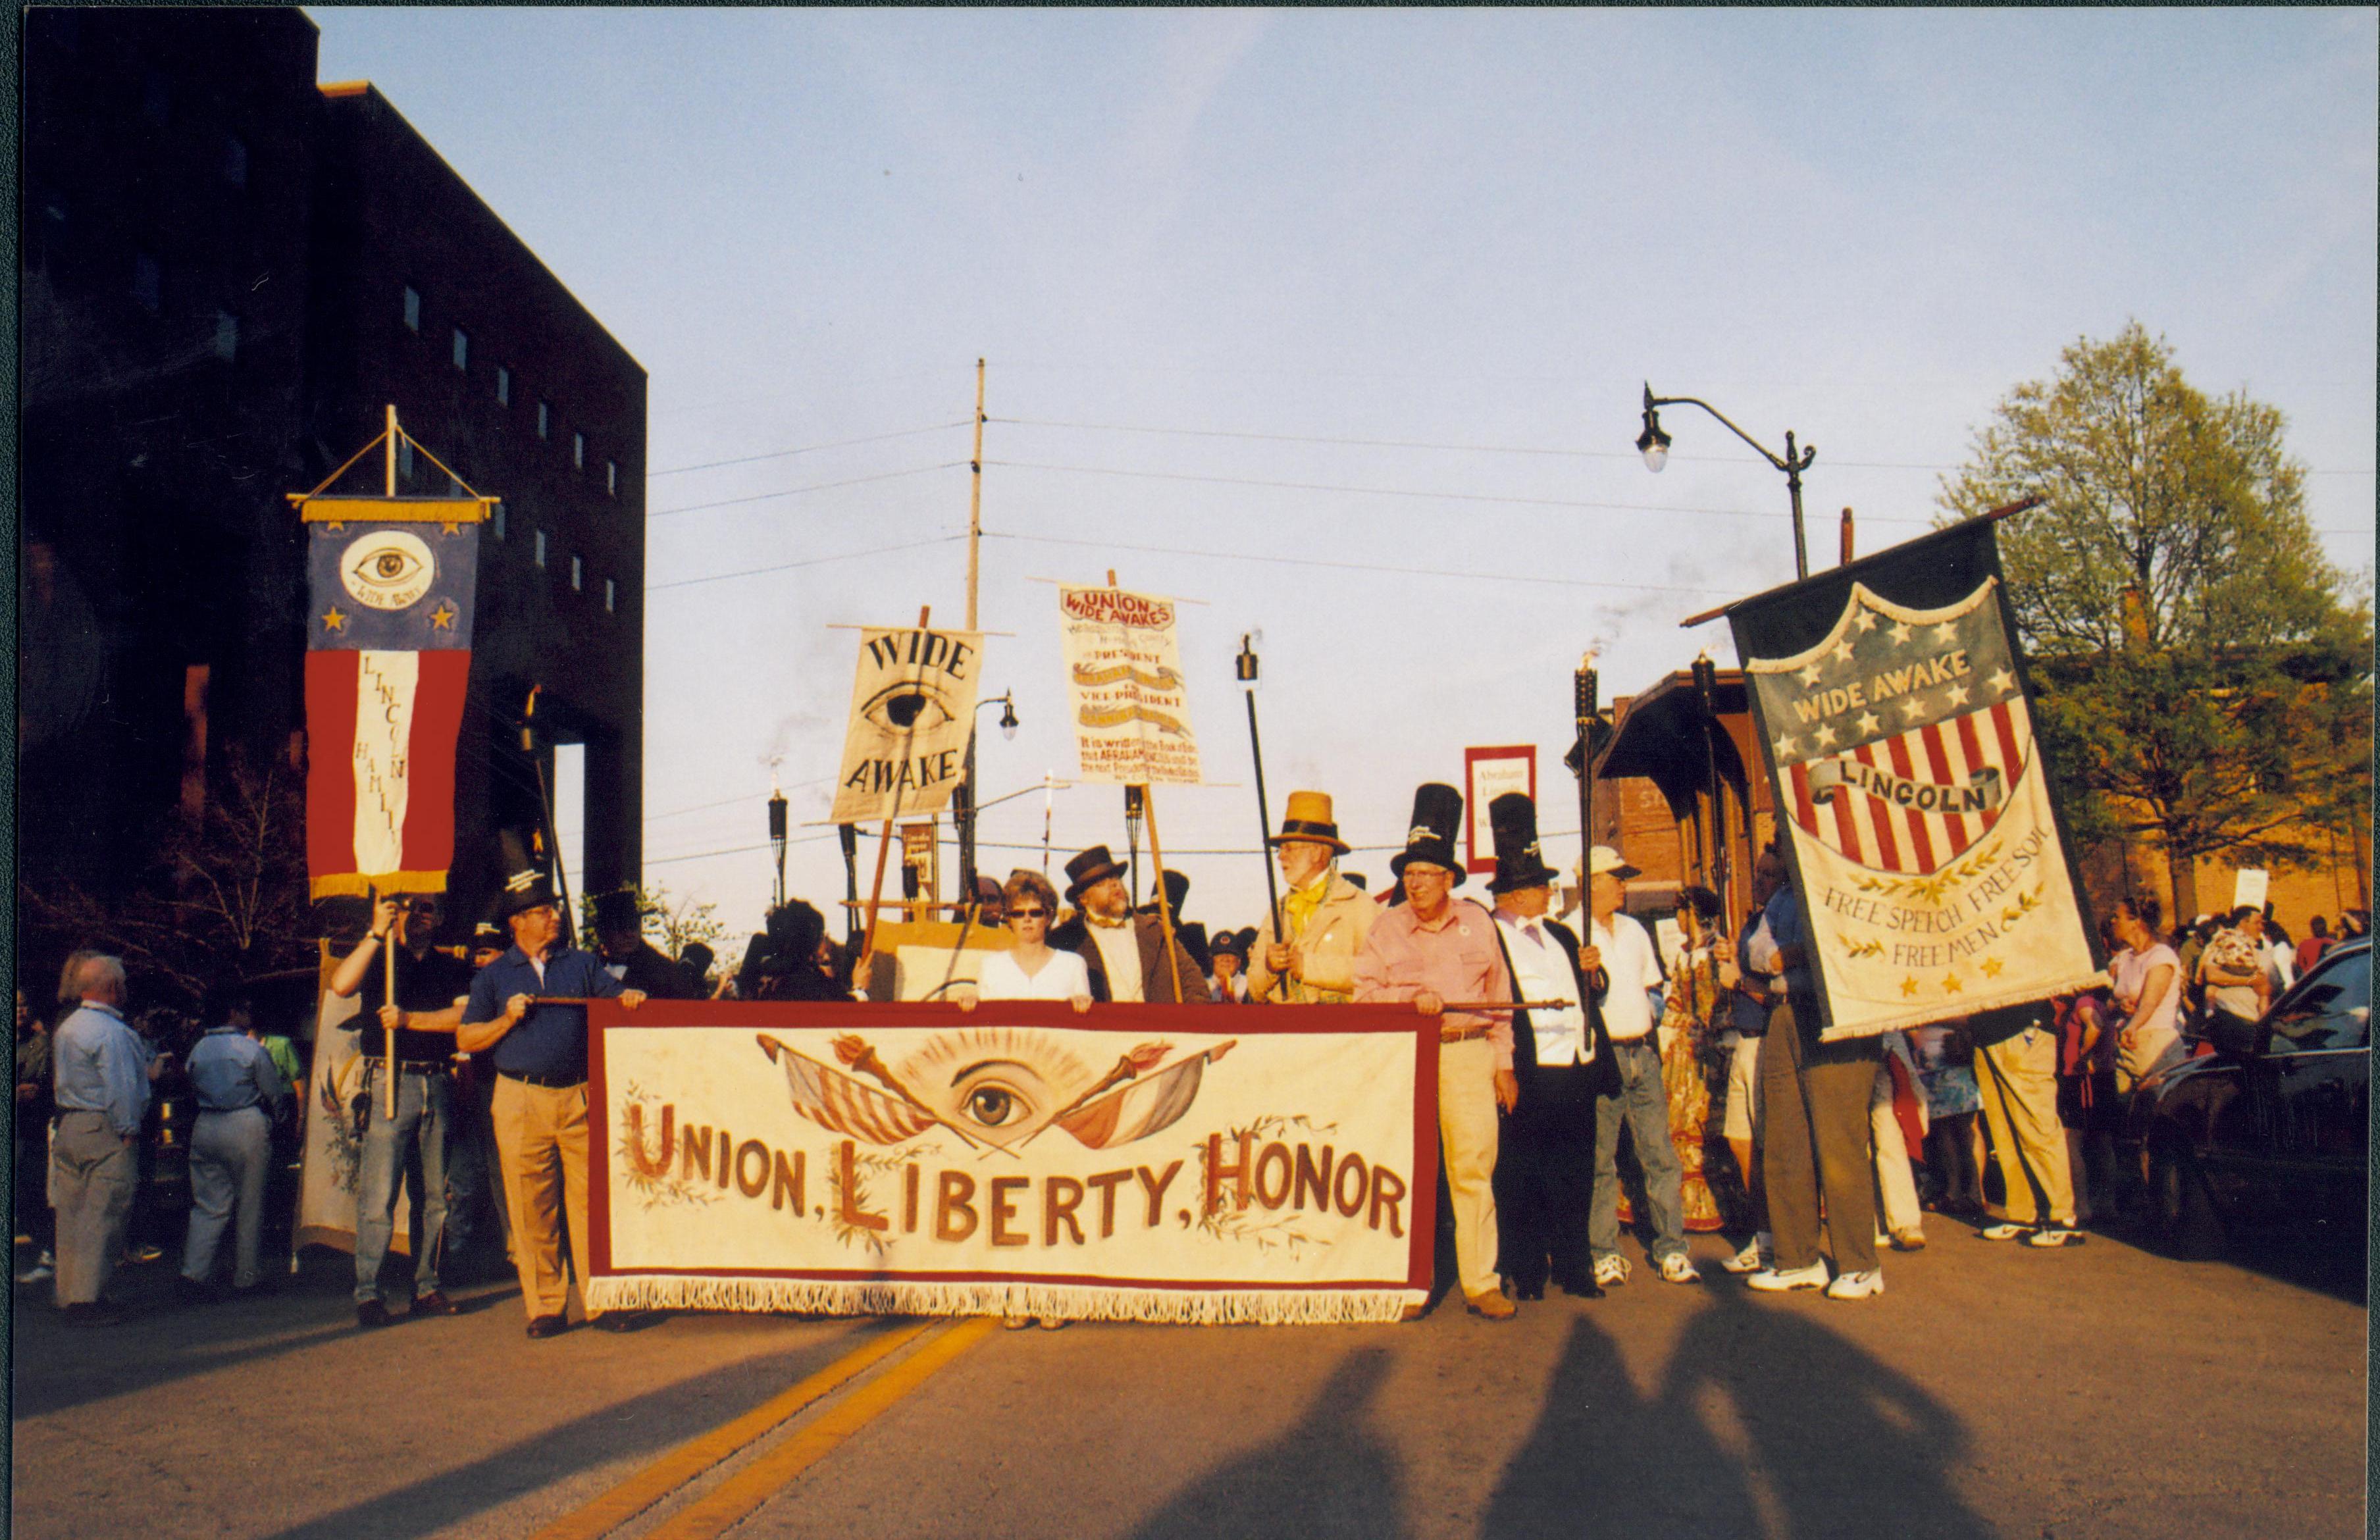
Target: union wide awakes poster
(1917,812)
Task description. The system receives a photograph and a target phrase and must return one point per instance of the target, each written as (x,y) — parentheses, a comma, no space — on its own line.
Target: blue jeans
(424,1107)
(1644,1105)
(230,1153)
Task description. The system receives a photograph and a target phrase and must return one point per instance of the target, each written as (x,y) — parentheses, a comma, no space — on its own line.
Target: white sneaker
(2050,1236)
(40,1272)
(1773,1280)
(1675,1268)
(1752,1259)
(1857,1286)
(2003,1231)
(1611,1271)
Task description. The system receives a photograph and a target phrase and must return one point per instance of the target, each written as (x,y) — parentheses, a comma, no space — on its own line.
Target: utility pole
(966,797)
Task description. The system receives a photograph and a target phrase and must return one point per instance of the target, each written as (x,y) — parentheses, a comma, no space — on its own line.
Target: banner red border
(1239,1021)
(1473,861)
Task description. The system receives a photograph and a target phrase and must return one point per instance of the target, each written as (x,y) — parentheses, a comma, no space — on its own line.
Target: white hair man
(102,1092)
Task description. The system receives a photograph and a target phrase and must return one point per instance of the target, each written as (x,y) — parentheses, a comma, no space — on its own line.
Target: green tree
(670,922)
(2204,671)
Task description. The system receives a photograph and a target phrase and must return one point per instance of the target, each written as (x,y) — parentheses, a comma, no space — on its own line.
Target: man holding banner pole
(1306,950)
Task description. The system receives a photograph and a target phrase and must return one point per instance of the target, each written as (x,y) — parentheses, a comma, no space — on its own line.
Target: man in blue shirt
(523,1006)
(240,1093)
(1814,1106)
(102,1084)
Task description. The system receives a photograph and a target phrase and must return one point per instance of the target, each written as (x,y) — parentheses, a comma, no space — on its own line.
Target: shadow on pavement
(632,1428)
(1765,1424)
(1329,1475)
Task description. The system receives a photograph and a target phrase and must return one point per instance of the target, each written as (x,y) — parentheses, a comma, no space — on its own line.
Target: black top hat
(619,910)
(1512,818)
(526,884)
(1092,867)
(1437,814)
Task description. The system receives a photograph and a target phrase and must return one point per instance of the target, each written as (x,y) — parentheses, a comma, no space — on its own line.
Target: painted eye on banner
(993,1105)
(387,569)
(906,708)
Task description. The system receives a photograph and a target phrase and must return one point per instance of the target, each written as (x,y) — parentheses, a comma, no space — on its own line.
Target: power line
(812,561)
(797,492)
(1355,566)
(732,801)
(805,449)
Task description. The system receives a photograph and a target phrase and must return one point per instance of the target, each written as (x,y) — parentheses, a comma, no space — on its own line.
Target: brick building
(228,274)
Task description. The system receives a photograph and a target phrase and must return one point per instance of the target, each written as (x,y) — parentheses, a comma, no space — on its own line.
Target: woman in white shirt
(2147,976)
(1032,969)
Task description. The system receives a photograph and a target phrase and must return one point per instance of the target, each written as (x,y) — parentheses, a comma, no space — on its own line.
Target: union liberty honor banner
(1131,1163)
(1919,817)
(1125,684)
(390,583)
(912,708)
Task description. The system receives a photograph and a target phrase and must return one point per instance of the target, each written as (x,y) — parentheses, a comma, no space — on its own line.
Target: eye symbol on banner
(907,708)
(387,569)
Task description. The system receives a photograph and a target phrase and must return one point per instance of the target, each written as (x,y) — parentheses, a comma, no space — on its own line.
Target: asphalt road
(1992,1390)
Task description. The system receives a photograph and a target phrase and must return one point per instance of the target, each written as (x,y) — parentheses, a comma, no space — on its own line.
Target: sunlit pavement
(1992,1390)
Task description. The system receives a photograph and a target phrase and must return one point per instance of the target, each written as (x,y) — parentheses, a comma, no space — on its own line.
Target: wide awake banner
(1123,680)
(1919,817)
(1130,1163)
(912,709)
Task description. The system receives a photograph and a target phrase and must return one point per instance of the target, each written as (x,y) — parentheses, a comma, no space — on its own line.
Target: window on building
(405,457)
(578,575)
(497,518)
(503,386)
(611,477)
(156,98)
(462,348)
(611,595)
(579,450)
(235,168)
(412,308)
(148,282)
(540,547)
(544,416)
(227,336)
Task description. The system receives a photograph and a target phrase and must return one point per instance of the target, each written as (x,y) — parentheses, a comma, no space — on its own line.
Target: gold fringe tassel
(1064,1302)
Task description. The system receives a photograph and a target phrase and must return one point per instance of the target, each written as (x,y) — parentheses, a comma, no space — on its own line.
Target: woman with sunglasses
(1031,969)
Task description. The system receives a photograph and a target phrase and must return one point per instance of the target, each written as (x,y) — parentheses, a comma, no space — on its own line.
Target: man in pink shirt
(1442,955)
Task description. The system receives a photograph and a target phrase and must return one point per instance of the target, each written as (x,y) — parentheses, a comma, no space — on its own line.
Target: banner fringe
(1063,1302)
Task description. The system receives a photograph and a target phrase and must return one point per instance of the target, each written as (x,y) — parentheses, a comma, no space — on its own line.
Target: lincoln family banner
(1123,677)
(1919,815)
(912,708)
(1162,1163)
(390,584)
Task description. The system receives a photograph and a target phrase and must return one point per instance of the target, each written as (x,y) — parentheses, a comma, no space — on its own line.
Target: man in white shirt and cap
(1563,1061)
(1620,951)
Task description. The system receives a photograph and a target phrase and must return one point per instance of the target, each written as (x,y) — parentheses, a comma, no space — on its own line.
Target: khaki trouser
(2018,1077)
(1467,1142)
(1896,1184)
(1814,1101)
(541,1142)
(93,1171)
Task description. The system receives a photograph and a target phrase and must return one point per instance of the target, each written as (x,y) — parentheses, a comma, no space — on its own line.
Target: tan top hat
(1308,816)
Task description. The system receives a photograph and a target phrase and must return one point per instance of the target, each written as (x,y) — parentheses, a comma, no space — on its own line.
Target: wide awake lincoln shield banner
(1124,679)
(1130,1163)
(1919,817)
(388,655)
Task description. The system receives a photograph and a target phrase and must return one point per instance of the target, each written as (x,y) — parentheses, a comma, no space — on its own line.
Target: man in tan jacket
(1324,916)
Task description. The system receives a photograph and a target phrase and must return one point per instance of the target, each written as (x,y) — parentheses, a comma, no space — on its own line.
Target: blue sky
(1414,229)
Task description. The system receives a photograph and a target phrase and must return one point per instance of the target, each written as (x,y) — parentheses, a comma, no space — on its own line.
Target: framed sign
(1488,773)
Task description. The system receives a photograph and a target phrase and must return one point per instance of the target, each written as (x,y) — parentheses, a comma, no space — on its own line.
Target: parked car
(2266,1133)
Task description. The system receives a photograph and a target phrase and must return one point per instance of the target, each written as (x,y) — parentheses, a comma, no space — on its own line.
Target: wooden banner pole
(1164,907)
(388,1033)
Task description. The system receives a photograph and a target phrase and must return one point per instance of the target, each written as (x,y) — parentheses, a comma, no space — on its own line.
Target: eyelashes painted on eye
(907,708)
(994,1105)
(388,567)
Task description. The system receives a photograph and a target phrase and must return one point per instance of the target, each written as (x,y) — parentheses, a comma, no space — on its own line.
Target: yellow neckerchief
(1297,912)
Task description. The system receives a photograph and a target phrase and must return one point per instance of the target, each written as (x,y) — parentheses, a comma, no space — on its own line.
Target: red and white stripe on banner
(379,781)
(1874,833)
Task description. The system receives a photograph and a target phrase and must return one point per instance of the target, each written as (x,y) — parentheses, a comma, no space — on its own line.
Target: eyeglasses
(1028,913)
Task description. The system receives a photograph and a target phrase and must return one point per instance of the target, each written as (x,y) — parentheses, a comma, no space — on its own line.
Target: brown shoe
(370,1316)
(548,1325)
(1493,1305)
(435,1302)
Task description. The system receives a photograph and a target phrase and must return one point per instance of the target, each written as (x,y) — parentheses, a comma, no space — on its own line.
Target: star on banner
(1912,706)
(1958,694)
(442,617)
(1824,737)
(1785,745)
(1898,631)
(1909,985)
(1992,966)
(1868,724)
(1951,984)
(450,528)
(1866,621)
(1809,676)
(333,620)
(1843,650)
(1946,632)
(2001,681)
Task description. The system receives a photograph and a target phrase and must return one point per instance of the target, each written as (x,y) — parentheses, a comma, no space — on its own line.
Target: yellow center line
(736,1497)
(697,1455)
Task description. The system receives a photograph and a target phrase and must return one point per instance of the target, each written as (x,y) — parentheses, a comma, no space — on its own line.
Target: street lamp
(964,799)
(777,838)
(1654,444)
